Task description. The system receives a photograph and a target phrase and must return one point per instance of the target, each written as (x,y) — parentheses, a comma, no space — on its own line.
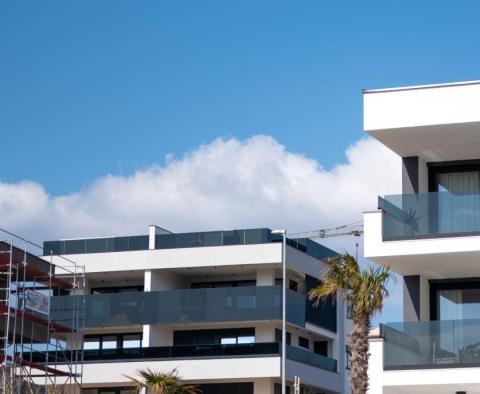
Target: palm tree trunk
(360,354)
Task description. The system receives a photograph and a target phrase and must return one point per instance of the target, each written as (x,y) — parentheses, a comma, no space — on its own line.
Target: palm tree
(364,291)
(162,382)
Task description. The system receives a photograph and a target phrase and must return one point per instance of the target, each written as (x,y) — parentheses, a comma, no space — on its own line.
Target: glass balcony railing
(429,215)
(188,352)
(182,240)
(183,306)
(163,352)
(315,360)
(431,344)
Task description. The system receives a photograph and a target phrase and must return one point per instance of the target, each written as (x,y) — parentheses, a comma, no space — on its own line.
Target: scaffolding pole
(41,342)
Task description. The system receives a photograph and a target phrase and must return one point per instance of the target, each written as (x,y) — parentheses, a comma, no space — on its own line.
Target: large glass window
(116,289)
(112,341)
(455,300)
(458,197)
(229,336)
(458,304)
(458,182)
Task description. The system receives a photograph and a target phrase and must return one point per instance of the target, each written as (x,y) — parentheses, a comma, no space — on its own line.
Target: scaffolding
(41,340)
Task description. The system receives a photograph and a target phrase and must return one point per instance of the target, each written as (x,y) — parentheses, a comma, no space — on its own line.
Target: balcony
(185,306)
(224,304)
(194,352)
(181,241)
(436,235)
(430,215)
(431,344)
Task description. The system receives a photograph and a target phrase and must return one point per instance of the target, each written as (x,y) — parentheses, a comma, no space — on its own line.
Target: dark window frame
(448,284)
(119,338)
(303,342)
(446,167)
(217,334)
(278,336)
(214,284)
(115,289)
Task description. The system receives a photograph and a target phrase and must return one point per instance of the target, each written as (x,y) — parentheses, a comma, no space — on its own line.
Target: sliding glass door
(458,198)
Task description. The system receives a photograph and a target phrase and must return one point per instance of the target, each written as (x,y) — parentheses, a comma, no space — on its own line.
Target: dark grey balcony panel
(164,352)
(190,352)
(429,215)
(184,306)
(75,246)
(97,245)
(138,242)
(431,344)
(184,240)
(325,313)
(315,360)
(295,308)
(53,247)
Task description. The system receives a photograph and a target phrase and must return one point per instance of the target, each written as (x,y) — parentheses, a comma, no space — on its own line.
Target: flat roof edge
(418,87)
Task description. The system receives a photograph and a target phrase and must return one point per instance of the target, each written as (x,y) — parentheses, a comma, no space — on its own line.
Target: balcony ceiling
(433,143)
(434,265)
(434,389)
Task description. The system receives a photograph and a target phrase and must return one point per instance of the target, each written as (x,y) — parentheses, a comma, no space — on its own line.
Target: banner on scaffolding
(37,302)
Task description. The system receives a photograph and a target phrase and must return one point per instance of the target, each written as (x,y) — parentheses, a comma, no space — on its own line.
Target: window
(132,341)
(113,390)
(91,344)
(277,389)
(229,336)
(246,340)
(116,289)
(456,206)
(455,300)
(278,337)
(109,342)
(293,285)
(232,283)
(230,388)
(303,342)
(320,347)
(348,358)
(112,341)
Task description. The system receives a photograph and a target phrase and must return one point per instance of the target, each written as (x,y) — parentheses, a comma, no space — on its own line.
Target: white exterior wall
(266,276)
(375,366)
(181,258)
(435,105)
(190,370)
(263,386)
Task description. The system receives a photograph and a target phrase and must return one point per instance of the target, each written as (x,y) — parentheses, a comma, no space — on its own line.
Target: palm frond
(363,290)
(161,382)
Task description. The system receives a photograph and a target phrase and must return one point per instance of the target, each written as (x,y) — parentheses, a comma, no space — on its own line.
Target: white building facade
(208,304)
(430,234)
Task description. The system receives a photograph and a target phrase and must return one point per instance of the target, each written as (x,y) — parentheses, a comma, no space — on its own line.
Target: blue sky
(96,87)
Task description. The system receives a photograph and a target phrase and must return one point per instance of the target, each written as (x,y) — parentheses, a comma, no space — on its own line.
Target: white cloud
(225,184)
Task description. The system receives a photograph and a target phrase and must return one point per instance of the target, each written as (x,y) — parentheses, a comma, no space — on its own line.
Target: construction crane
(352,229)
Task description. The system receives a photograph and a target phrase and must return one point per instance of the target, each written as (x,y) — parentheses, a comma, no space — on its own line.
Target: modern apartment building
(208,304)
(430,234)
